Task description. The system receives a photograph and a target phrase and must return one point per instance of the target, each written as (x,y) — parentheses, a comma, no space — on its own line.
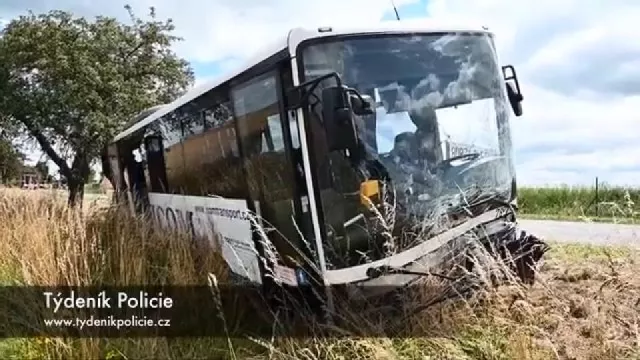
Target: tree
(11,161)
(91,177)
(71,84)
(43,169)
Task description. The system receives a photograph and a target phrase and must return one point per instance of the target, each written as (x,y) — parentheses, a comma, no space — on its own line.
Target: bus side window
(275,133)
(156,169)
(269,170)
(253,103)
(171,129)
(212,165)
(135,178)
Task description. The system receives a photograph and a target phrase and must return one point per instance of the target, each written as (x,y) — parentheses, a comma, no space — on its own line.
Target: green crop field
(566,202)
(608,204)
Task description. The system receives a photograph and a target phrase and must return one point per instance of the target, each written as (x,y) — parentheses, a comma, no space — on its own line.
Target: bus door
(269,146)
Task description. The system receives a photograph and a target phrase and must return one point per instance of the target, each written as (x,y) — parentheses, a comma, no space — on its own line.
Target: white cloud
(203,80)
(222,29)
(577,62)
(238,28)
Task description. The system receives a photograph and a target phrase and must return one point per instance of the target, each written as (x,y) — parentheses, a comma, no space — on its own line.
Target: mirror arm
(317,80)
(513,76)
(357,94)
(366,106)
(302,95)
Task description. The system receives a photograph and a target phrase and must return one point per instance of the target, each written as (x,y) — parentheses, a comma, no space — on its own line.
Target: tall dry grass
(45,243)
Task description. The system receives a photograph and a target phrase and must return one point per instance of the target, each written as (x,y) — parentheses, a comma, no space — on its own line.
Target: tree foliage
(71,83)
(43,169)
(91,177)
(11,161)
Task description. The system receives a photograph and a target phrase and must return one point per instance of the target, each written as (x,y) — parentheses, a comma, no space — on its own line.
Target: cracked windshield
(439,137)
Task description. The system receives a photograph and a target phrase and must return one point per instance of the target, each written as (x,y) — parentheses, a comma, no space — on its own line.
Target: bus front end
(409,144)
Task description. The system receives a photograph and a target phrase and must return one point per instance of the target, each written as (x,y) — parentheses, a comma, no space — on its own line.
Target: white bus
(316,134)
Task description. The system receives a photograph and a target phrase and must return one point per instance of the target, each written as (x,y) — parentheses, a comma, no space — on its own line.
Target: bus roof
(290,41)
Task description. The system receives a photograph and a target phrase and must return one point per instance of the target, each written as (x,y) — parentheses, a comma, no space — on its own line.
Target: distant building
(105,185)
(30,177)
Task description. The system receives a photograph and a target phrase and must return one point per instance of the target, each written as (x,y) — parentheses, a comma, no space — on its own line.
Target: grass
(583,307)
(614,204)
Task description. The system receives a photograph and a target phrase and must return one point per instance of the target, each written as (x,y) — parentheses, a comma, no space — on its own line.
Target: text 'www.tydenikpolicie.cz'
(110,321)
(120,300)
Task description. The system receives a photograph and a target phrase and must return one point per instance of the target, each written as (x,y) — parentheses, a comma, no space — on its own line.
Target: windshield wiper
(377,271)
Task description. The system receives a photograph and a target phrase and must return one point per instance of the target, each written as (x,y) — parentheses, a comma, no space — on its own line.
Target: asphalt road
(583,232)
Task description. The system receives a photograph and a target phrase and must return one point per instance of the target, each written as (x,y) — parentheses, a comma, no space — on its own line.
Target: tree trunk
(76,192)
(79,172)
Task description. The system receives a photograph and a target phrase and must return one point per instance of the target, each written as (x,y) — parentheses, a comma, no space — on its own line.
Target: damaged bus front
(409,143)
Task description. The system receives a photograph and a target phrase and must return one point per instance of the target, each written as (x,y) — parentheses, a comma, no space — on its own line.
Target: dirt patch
(587,303)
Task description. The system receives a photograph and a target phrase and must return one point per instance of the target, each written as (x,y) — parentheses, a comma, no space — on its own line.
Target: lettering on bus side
(171,218)
(198,223)
(174,218)
(158,214)
(222,222)
(199,220)
(228,213)
(174,215)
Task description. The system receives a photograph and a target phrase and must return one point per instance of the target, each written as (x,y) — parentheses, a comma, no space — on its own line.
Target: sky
(578,64)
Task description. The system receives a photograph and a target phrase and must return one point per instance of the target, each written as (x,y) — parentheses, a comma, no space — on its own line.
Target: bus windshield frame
(403,74)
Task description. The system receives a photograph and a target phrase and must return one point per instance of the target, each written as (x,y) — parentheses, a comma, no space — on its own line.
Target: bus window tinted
(212,163)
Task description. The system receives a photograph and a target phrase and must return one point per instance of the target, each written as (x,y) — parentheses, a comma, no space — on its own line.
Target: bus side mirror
(515,99)
(362,104)
(513,89)
(338,119)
